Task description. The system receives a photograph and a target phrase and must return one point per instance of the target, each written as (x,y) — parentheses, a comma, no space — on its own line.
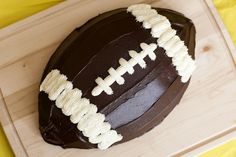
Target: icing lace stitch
(125,66)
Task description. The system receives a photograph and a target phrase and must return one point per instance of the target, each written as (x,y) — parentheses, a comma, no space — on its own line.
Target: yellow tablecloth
(226,150)
(227,10)
(14,10)
(5,150)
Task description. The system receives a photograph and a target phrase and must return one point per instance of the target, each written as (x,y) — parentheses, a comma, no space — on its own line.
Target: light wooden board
(207,110)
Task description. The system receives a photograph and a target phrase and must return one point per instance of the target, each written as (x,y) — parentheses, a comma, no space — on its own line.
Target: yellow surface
(227,10)
(14,10)
(226,150)
(5,150)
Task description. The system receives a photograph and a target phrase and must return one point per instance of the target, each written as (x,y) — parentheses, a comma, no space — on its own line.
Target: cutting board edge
(222,28)
(10,130)
(22,152)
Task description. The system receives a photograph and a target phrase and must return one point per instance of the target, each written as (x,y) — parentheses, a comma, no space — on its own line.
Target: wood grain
(206,110)
(222,28)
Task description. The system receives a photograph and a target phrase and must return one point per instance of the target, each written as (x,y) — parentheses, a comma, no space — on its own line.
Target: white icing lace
(125,66)
(80,110)
(167,39)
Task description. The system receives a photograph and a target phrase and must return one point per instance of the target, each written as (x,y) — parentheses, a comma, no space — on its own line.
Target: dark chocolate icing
(147,96)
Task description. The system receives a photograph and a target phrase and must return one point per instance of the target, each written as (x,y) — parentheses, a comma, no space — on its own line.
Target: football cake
(116,77)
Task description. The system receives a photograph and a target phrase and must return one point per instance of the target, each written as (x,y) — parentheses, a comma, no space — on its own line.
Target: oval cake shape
(147,96)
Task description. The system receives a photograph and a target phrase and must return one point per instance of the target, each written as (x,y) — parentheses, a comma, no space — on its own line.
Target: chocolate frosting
(147,96)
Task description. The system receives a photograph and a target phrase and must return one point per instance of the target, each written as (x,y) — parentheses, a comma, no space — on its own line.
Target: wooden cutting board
(205,115)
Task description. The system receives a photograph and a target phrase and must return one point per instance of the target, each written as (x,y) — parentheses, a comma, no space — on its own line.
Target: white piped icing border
(80,110)
(160,28)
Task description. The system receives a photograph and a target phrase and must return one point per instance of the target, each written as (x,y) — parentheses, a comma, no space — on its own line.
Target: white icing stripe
(80,110)
(161,28)
(125,66)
